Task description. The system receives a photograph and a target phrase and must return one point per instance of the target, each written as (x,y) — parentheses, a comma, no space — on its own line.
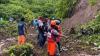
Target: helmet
(53,18)
(53,22)
(58,21)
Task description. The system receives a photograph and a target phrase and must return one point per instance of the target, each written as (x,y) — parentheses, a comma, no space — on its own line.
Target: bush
(65,8)
(92,39)
(21,50)
(10,29)
(3,22)
(92,2)
(34,8)
(94,24)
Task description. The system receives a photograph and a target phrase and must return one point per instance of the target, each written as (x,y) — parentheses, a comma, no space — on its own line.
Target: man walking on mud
(21,31)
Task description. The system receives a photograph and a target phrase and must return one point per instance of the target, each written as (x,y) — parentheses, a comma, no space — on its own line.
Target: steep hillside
(83,13)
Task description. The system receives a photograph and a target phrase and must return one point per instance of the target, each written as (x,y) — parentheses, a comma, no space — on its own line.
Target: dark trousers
(41,39)
(59,46)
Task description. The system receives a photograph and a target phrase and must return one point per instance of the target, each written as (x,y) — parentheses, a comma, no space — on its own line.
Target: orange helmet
(53,22)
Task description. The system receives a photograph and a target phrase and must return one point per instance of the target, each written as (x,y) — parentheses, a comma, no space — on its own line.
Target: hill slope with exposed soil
(83,13)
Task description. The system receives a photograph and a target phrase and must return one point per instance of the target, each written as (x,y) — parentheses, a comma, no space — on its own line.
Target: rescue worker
(21,31)
(58,22)
(52,35)
(41,30)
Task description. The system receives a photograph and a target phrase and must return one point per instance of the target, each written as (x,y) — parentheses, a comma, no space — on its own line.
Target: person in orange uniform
(52,35)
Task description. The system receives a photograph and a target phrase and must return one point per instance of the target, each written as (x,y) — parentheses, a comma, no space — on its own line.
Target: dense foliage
(65,8)
(34,8)
(92,2)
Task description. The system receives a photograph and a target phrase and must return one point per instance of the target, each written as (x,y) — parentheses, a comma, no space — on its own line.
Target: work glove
(49,35)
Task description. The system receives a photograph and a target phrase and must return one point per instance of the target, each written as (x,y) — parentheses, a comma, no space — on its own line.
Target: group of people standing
(48,30)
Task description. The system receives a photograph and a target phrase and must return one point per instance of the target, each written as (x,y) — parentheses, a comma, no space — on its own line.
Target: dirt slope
(84,13)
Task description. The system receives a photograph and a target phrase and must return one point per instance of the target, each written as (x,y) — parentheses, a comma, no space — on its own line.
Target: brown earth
(83,13)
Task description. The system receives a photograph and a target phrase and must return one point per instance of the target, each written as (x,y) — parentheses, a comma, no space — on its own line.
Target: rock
(64,49)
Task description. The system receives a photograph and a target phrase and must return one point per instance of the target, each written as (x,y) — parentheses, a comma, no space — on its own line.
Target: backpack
(34,22)
(58,21)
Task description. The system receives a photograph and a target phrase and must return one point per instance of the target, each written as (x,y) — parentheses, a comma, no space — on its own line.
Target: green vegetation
(94,37)
(3,22)
(21,50)
(92,2)
(8,28)
(34,8)
(65,8)
(94,24)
